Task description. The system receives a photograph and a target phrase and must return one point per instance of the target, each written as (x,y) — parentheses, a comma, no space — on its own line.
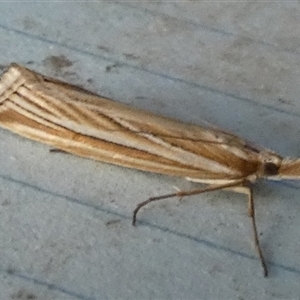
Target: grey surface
(65,221)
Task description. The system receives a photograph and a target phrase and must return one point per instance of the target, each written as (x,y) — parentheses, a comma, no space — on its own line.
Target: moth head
(270,164)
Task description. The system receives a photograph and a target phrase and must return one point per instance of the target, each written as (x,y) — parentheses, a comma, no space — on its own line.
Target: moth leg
(247,190)
(178,190)
(56,150)
(243,190)
(240,186)
(181,194)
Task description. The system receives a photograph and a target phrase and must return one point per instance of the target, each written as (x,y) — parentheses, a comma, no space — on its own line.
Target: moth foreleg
(239,186)
(181,194)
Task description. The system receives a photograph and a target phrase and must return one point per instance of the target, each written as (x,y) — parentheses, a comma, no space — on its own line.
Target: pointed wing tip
(10,79)
(13,67)
(14,76)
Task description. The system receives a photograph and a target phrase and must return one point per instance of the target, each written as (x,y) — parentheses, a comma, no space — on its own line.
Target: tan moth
(77,121)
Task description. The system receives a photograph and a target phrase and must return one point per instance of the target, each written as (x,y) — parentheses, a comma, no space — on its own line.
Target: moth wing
(77,121)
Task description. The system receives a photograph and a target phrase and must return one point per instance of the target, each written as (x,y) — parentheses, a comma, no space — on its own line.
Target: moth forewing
(135,136)
(80,122)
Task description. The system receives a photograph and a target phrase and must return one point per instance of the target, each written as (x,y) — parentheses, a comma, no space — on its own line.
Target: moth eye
(270,168)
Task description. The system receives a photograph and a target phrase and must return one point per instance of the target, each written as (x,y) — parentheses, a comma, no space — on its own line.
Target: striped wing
(79,122)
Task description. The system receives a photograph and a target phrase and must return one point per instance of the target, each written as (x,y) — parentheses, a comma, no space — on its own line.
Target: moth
(77,121)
